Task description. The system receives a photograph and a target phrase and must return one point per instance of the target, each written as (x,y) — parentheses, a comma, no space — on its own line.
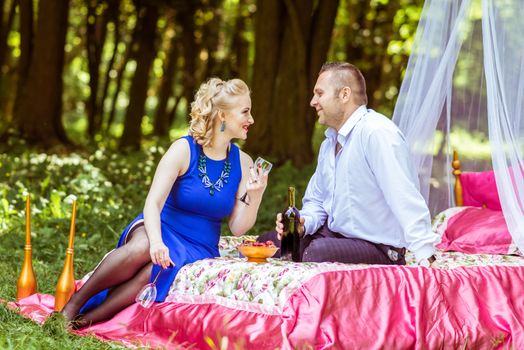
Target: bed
(473,299)
(470,301)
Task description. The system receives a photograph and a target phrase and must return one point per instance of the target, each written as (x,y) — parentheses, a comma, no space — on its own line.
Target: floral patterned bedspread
(234,282)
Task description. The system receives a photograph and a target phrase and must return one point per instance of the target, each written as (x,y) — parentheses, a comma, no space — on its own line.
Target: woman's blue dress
(191,218)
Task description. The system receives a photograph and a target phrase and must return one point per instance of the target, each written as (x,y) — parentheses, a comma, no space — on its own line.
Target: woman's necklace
(202,173)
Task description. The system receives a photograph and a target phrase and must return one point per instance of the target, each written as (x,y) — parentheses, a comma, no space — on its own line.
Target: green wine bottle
(290,247)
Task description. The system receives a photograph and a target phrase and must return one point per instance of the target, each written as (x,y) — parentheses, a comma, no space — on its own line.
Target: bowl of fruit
(257,251)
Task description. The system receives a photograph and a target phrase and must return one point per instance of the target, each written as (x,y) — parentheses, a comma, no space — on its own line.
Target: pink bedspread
(366,307)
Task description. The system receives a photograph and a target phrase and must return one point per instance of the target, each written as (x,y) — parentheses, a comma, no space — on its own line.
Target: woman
(196,184)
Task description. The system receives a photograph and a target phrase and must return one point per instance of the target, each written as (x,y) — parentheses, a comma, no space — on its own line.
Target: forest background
(93,92)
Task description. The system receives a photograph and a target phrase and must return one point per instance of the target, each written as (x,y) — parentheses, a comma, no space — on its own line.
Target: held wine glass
(265,166)
(147,295)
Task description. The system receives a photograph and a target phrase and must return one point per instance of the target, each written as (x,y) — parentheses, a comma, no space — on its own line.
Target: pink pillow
(479,188)
(477,231)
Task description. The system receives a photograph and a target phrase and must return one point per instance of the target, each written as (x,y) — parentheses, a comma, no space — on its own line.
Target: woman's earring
(222,126)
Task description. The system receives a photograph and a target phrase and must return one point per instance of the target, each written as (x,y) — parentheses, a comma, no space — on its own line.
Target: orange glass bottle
(65,288)
(26,284)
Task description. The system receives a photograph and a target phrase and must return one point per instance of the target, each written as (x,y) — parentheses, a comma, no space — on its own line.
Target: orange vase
(65,287)
(26,284)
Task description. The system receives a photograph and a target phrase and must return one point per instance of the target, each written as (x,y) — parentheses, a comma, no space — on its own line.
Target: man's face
(326,102)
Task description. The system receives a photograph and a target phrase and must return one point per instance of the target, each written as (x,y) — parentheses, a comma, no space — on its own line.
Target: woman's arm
(173,164)
(244,215)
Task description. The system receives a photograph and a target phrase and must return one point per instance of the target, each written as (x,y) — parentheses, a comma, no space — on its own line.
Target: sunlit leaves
(13,40)
(55,204)
(395,47)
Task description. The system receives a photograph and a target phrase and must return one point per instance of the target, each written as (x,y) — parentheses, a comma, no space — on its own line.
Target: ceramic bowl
(257,254)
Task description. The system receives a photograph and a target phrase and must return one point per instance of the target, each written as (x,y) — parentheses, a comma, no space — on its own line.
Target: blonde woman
(196,185)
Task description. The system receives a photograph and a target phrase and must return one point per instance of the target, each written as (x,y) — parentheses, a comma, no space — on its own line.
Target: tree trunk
(371,56)
(145,55)
(323,23)
(166,89)
(96,30)
(186,18)
(26,49)
(355,48)
(292,88)
(119,78)
(7,78)
(239,64)
(112,12)
(211,32)
(269,25)
(375,73)
(42,110)
(287,33)
(172,113)
(5,28)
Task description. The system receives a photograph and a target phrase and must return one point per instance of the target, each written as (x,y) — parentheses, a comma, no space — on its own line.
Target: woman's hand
(160,254)
(257,182)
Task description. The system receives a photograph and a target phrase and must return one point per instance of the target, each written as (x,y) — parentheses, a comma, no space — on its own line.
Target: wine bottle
(290,244)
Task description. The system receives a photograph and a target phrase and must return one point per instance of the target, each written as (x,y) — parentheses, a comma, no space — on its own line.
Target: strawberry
(270,243)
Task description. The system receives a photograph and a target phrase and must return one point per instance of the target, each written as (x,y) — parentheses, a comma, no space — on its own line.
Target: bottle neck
(291,196)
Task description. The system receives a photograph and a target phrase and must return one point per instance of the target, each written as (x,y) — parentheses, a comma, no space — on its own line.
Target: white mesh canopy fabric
(464,89)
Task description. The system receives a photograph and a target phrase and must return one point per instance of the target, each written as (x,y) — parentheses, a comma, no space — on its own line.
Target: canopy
(464,88)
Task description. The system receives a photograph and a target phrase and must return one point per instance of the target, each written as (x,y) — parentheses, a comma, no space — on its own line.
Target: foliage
(218,37)
(377,36)
(111,190)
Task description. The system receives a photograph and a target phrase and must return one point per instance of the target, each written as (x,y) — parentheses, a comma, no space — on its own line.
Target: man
(362,204)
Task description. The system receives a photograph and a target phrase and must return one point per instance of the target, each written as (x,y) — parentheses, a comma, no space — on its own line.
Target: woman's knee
(145,273)
(138,246)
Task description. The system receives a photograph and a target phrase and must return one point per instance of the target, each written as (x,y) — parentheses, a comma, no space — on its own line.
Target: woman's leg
(119,298)
(119,266)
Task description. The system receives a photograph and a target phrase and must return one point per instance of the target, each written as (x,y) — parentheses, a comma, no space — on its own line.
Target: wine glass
(265,166)
(147,295)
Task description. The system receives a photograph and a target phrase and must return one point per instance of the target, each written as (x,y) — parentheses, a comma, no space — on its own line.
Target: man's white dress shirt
(369,190)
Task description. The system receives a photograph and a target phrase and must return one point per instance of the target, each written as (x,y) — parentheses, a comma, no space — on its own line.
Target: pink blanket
(367,307)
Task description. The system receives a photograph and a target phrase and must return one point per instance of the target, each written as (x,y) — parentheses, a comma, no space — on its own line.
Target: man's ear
(345,94)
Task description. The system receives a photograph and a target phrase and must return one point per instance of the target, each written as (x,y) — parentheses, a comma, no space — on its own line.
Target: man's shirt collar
(342,135)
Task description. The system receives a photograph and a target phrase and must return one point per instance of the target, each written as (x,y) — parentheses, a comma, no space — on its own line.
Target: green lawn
(111,189)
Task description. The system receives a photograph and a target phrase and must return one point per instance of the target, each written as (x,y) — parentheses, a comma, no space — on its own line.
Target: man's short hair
(346,74)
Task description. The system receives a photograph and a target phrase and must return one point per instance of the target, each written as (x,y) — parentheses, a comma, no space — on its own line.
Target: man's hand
(428,262)
(279,227)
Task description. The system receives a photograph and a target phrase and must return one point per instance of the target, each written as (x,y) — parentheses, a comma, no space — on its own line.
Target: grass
(111,189)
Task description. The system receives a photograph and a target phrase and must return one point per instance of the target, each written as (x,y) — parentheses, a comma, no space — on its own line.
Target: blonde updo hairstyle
(213,96)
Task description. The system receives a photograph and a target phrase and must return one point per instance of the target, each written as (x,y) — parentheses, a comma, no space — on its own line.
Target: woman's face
(239,118)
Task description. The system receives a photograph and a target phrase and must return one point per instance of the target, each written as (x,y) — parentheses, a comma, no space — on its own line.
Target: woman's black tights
(125,270)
